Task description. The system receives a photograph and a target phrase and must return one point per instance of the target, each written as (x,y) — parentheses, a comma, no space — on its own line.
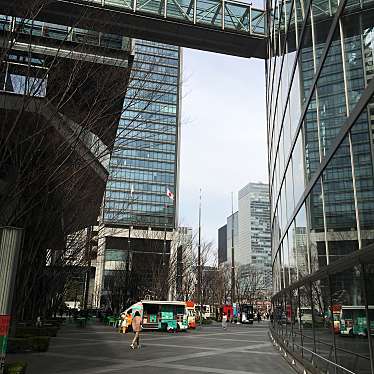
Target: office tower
(254,248)
(141,199)
(144,163)
(319,112)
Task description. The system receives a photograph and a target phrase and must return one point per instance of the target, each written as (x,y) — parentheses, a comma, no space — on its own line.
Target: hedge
(24,332)
(15,368)
(28,344)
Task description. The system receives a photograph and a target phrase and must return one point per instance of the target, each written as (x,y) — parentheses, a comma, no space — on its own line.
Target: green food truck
(161,315)
(353,320)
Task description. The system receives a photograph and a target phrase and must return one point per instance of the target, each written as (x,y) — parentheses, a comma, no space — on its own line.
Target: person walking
(258,317)
(136,327)
(224,321)
(123,323)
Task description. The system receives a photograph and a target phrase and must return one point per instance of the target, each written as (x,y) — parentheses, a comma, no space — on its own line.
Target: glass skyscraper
(320,135)
(144,163)
(138,216)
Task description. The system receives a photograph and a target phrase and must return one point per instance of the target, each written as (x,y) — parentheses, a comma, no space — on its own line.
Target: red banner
(4,325)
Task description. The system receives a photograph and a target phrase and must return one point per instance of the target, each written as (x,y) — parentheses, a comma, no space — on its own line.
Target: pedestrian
(128,320)
(224,321)
(38,321)
(123,323)
(258,316)
(136,327)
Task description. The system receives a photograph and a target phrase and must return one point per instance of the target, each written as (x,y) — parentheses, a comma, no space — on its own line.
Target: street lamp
(199,290)
(232,251)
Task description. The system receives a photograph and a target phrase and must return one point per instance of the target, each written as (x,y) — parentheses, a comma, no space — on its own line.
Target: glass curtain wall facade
(320,112)
(144,162)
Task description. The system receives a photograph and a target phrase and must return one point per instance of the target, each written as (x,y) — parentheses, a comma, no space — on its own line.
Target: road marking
(231,339)
(202,369)
(153,362)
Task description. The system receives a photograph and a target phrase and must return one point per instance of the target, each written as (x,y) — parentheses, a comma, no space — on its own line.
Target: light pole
(199,290)
(88,267)
(232,252)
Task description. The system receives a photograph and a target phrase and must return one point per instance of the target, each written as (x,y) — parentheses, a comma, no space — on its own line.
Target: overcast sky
(223,137)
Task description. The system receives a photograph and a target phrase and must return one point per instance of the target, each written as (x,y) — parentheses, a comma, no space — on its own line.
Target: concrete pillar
(10,243)
(99,273)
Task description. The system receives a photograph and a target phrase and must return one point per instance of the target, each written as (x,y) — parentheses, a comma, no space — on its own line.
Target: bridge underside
(144,26)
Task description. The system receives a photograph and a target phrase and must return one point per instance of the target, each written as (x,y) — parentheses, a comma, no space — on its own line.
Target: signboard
(4,328)
(4,325)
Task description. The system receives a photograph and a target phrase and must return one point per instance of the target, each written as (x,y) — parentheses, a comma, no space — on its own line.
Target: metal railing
(63,33)
(226,15)
(314,355)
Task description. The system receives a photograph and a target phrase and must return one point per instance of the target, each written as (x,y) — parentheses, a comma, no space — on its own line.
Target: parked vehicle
(306,317)
(207,311)
(334,318)
(353,320)
(161,315)
(191,314)
(246,313)
(225,310)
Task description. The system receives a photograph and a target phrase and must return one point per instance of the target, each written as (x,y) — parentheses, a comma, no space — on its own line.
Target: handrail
(316,354)
(356,355)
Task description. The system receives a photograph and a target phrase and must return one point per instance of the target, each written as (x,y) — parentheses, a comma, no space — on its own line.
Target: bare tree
(60,106)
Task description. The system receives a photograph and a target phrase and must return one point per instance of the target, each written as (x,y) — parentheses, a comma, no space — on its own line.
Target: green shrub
(28,344)
(54,321)
(24,332)
(40,343)
(18,345)
(15,368)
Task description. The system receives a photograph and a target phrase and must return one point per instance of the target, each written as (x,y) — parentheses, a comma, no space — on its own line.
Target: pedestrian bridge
(222,26)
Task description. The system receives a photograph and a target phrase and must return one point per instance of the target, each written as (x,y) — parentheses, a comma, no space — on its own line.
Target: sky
(223,135)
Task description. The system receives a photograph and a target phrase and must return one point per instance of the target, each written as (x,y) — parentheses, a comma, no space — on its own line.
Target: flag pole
(164,251)
(170,195)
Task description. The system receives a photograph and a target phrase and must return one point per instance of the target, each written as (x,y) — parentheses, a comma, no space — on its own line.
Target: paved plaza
(99,349)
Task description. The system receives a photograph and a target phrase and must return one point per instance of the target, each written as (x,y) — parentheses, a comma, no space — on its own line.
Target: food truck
(160,315)
(191,313)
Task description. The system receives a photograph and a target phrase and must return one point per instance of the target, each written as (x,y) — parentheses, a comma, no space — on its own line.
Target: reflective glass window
(289,191)
(352,351)
(362,150)
(316,231)
(311,140)
(339,204)
(332,108)
(306,321)
(322,324)
(300,238)
(298,168)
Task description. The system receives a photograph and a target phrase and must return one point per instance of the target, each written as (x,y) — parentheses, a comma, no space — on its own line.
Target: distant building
(232,221)
(252,240)
(254,224)
(139,216)
(222,244)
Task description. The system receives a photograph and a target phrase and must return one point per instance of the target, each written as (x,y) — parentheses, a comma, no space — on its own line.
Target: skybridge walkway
(222,26)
